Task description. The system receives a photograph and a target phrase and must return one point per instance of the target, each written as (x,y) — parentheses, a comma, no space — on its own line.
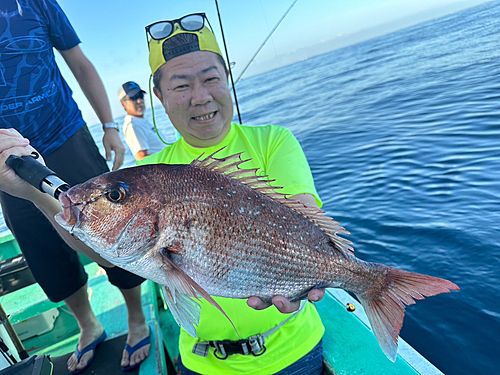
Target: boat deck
(107,303)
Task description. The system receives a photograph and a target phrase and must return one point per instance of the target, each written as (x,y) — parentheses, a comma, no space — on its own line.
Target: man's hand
(283,304)
(112,142)
(13,143)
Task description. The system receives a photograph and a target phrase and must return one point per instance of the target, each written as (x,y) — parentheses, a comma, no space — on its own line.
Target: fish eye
(116,194)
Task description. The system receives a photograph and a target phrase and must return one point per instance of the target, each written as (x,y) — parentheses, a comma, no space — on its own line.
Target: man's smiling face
(196,97)
(134,107)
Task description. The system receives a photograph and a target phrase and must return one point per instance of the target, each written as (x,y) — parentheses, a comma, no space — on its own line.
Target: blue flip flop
(92,346)
(132,349)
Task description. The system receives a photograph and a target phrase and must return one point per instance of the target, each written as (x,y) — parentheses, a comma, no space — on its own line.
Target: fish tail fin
(385,307)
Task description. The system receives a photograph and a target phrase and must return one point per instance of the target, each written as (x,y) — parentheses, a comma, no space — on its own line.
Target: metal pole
(23,354)
(228,62)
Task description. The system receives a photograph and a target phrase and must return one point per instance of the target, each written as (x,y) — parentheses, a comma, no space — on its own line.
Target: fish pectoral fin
(185,310)
(179,291)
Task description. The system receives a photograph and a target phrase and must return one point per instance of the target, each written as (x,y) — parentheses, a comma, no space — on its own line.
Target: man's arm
(136,138)
(93,88)
(141,154)
(12,143)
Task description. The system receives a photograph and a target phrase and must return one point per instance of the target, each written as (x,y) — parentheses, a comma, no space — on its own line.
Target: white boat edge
(418,362)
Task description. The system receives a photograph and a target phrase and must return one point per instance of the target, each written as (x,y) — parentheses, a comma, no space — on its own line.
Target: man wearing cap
(139,133)
(190,79)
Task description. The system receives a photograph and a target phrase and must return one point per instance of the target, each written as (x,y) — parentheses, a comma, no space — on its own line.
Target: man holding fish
(215,228)
(193,88)
(190,79)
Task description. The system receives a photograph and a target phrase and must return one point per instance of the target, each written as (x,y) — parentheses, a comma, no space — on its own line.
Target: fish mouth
(71,216)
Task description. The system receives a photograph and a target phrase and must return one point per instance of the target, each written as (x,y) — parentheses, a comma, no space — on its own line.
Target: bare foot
(87,336)
(136,333)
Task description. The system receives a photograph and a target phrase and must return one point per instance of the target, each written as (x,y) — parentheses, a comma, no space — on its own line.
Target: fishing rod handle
(37,174)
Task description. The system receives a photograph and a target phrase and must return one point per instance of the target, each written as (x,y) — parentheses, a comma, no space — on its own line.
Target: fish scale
(213,229)
(221,244)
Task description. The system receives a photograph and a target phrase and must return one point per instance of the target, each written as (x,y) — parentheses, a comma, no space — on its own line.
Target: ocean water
(402,133)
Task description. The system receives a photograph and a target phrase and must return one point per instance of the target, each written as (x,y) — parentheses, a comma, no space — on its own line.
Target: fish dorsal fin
(329,226)
(230,166)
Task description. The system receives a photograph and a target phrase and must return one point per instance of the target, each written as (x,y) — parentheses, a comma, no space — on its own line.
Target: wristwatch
(110,125)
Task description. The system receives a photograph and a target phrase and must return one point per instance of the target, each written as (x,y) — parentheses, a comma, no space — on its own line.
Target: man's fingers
(11,138)
(11,132)
(17,151)
(112,143)
(116,165)
(13,143)
(119,158)
(284,305)
(14,146)
(108,152)
(6,143)
(316,295)
(257,304)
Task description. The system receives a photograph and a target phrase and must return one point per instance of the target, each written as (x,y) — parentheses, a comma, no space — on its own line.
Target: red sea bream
(213,229)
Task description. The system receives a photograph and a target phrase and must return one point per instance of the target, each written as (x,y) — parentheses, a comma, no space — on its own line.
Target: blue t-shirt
(34,97)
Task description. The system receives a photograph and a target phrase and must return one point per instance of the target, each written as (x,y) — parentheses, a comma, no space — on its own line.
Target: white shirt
(140,135)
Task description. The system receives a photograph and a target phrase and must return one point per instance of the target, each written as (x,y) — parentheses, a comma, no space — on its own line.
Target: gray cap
(129,89)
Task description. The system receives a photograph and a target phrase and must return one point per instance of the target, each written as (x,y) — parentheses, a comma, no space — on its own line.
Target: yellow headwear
(158,55)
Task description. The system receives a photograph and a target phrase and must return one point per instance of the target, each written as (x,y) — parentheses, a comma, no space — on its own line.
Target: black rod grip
(29,169)
(37,174)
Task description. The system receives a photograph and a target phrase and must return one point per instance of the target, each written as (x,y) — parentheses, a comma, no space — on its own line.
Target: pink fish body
(213,229)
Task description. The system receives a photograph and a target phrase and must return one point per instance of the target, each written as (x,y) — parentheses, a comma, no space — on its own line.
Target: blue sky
(113,37)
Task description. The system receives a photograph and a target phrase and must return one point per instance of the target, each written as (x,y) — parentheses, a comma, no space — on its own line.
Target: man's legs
(137,326)
(90,328)
(55,266)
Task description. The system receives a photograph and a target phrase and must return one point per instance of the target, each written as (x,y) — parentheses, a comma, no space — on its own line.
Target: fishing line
(263,43)
(153,113)
(272,40)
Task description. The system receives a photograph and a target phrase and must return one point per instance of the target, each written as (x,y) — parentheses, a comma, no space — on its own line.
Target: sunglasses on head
(163,29)
(135,97)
